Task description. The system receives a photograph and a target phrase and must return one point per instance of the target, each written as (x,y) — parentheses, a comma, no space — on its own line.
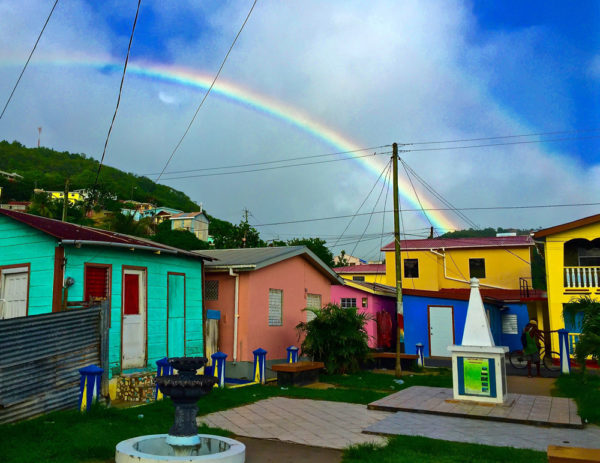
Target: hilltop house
(261,294)
(155,291)
(572,255)
(194,222)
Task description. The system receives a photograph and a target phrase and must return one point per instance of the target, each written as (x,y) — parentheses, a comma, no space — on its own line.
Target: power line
(270,162)
(28,59)
(207,92)
(542,206)
(274,167)
(137,12)
(504,136)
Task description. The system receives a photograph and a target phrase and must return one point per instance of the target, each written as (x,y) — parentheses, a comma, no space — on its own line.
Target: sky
(310,78)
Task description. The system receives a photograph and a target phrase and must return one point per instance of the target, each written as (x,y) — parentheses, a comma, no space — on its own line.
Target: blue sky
(375,72)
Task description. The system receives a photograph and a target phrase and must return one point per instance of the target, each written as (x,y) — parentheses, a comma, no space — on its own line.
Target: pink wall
(375,304)
(296,277)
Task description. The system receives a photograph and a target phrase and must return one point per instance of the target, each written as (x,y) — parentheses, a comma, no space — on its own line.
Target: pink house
(378,301)
(260,294)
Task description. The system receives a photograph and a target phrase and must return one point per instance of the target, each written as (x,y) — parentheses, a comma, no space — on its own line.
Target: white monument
(478,368)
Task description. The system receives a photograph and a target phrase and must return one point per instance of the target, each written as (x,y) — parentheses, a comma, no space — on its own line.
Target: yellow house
(369,273)
(74,196)
(572,255)
(444,263)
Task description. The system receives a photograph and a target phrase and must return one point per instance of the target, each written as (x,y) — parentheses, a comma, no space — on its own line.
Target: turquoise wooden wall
(158,267)
(21,244)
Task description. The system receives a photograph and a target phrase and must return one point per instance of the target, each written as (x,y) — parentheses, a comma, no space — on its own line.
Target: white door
(134,319)
(13,292)
(441,331)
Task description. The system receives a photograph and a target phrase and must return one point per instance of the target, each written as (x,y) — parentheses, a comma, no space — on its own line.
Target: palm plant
(586,311)
(337,337)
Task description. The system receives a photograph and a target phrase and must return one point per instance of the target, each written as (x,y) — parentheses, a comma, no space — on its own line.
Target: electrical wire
(28,59)
(275,167)
(270,162)
(207,92)
(137,12)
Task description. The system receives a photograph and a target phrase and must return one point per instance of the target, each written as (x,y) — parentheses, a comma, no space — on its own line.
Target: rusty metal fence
(40,357)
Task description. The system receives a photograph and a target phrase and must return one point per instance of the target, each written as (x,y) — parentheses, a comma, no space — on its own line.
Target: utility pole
(39,135)
(399,306)
(245,227)
(65,201)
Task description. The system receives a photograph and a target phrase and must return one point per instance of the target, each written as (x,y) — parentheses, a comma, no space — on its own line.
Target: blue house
(154,291)
(436,319)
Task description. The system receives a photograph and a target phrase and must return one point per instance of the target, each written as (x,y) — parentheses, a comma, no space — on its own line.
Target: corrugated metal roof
(257,258)
(65,231)
(366,268)
(384,290)
(448,243)
(186,215)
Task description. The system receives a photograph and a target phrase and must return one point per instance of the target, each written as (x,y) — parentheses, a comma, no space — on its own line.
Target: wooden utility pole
(65,201)
(399,306)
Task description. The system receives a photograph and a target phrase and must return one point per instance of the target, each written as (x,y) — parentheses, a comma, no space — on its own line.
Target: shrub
(336,337)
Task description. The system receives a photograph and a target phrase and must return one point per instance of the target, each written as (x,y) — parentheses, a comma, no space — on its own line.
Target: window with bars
(509,324)
(358,278)
(275,307)
(212,290)
(347,302)
(96,282)
(313,301)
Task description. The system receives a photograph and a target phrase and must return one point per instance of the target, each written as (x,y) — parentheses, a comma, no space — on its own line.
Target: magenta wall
(375,304)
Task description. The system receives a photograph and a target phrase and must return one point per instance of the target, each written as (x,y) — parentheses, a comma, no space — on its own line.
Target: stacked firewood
(136,388)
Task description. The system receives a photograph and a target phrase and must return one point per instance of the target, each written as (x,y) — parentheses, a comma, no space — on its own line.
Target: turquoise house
(155,291)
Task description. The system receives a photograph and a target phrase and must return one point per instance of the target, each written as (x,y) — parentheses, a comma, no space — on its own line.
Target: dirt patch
(274,451)
(531,386)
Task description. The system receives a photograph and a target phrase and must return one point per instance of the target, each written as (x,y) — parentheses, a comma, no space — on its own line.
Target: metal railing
(582,277)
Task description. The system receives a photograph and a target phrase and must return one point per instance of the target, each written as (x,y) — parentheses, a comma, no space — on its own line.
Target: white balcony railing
(582,277)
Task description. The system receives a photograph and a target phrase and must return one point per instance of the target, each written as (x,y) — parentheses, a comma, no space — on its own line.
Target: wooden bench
(391,355)
(559,454)
(298,373)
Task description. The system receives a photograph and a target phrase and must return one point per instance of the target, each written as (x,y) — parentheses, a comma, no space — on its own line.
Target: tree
(585,312)
(126,224)
(342,260)
(181,239)
(316,245)
(337,337)
(230,236)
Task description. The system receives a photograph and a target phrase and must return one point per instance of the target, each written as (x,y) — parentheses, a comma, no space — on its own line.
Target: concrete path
(488,432)
(309,422)
(519,408)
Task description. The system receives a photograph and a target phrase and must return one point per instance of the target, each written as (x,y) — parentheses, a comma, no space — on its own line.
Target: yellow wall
(554,256)
(73,197)
(502,268)
(369,277)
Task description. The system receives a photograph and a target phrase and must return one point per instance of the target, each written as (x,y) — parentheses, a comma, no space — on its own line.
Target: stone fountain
(182,443)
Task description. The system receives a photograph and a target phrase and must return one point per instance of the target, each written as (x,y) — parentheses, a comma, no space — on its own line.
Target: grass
(585,389)
(70,437)
(405,449)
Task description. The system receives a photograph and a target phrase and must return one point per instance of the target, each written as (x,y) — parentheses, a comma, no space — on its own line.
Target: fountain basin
(155,449)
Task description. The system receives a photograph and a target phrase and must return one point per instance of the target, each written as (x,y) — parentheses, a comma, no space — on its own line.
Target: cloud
(377,73)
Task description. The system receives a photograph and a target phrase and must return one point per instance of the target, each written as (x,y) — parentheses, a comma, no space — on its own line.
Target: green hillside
(49,169)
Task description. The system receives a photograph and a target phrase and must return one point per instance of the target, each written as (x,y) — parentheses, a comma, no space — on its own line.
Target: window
(509,324)
(358,278)
(275,303)
(96,282)
(212,290)
(347,302)
(411,268)
(477,268)
(365,301)
(313,301)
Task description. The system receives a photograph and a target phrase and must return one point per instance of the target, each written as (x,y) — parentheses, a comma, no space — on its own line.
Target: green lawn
(586,392)
(409,449)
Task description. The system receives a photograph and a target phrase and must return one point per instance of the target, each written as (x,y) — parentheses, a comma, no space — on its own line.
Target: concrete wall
(375,304)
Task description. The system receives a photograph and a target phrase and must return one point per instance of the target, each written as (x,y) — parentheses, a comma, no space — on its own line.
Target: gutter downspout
(236,315)
(443,256)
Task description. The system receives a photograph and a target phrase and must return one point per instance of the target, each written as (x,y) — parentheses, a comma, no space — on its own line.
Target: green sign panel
(477,376)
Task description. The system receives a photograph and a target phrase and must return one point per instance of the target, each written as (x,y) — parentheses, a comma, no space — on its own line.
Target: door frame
(429,306)
(184,309)
(16,266)
(145,270)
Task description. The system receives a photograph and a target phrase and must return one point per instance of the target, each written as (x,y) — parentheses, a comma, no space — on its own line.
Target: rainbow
(236,93)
